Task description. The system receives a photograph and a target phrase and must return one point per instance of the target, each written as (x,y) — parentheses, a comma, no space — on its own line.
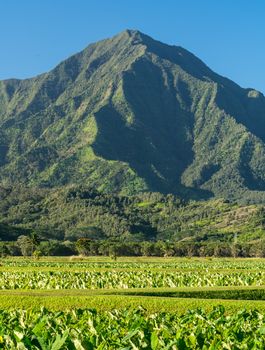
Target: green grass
(152,299)
(233,293)
(64,301)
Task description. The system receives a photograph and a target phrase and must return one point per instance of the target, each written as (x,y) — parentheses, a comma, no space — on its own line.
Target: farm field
(132,303)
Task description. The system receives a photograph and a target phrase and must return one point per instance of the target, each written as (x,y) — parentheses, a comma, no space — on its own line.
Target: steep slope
(130,114)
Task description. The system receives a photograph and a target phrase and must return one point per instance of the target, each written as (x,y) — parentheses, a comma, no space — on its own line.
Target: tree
(13,249)
(25,244)
(90,232)
(35,240)
(86,246)
(28,244)
(3,250)
(148,248)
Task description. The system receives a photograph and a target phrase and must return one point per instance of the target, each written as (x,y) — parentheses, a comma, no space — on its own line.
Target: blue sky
(228,35)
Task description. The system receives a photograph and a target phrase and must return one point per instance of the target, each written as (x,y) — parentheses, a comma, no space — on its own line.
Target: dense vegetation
(62,303)
(77,219)
(81,146)
(131,329)
(127,279)
(106,155)
(131,114)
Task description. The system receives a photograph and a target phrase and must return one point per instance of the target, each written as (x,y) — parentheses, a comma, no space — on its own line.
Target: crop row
(192,264)
(131,329)
(126,279)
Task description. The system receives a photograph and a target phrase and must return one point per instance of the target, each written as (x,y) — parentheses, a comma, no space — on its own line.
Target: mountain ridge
(131,114)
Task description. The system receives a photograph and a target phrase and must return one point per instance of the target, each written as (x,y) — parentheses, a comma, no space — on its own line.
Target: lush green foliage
(19,274)
(108,318)
(133,263)
(126,279)
(80,147)
(79,212)
(88,329)
(131,114)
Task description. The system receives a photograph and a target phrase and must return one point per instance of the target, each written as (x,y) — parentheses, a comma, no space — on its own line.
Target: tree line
(32,246)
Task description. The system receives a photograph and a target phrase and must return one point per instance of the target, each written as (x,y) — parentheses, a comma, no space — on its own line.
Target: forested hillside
(78,212)
(130,114)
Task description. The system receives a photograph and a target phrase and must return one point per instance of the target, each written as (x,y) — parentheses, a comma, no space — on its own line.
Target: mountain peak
(130,114)
(132,33)
(138,37)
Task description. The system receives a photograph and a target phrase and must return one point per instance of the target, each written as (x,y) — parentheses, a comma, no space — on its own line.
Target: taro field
(132,303)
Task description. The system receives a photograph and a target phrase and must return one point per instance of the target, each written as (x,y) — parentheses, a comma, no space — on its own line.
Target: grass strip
(110,302)
(231,292)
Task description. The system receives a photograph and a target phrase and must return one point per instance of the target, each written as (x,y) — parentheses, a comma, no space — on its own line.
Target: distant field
(152,288)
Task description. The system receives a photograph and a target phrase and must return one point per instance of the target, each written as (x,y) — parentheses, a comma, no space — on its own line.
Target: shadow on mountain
(245,105)
(158,143)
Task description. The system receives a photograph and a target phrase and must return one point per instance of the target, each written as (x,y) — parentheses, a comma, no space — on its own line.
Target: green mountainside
(122,138)
(130,114)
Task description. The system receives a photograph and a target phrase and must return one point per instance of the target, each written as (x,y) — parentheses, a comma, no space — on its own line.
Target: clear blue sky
(228,35)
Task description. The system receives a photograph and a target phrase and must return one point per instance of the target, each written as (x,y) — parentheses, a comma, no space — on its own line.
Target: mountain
(131,114)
